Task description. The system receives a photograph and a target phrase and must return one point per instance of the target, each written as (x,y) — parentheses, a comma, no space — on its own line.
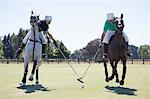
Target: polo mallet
(89,65)
(55,43)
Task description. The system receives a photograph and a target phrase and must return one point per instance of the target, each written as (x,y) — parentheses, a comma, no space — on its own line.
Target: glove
(100,45)
(43,48)
(19,51)
(44,55)
(22,45)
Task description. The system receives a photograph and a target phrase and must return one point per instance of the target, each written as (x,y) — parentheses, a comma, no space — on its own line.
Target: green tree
(14,41)
(144,51)
(21,35)
(50,51)
(63,48)
(8,49)
(76,54)
(89,50)
(1,50)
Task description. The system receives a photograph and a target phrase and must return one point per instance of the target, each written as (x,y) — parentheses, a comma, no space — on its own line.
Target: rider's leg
(105,54)
(127,40)
(105,41)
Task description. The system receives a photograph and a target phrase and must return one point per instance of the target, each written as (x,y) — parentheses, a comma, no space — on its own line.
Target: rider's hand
(44,55)
(19,51)
(100,45)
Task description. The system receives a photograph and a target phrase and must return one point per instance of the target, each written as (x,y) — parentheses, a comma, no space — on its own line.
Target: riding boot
(43,50)
(105,54)
(128,51)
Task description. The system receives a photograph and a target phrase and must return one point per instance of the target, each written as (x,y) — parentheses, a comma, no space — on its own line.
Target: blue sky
(76,22)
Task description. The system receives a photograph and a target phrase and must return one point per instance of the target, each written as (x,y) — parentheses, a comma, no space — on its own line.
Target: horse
(117,50)
(33,40)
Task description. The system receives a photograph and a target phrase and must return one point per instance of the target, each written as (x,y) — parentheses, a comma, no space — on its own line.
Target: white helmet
(110,16)
(48,18)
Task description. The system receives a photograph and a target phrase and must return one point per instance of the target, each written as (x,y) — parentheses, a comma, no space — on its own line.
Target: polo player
(40,41)
(109,30)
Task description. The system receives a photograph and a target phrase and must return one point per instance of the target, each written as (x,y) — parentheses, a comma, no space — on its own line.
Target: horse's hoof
(22,84)
(117,80)
(37,83)
(111,77)
(31,79)
(107,79)
(121,82)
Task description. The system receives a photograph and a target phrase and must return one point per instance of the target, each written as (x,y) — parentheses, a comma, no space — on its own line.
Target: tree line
(88,52)
(10,43)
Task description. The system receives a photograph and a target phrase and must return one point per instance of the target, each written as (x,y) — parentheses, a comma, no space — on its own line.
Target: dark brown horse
(116,52)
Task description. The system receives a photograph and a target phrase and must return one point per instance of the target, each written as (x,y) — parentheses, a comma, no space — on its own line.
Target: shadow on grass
(34,88)
(121,90)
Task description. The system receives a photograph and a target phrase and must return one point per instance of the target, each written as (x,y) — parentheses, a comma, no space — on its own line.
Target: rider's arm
(50,36)
(24,41)
(104,31)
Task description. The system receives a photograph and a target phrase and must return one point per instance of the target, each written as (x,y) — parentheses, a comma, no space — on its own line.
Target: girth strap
(35,41)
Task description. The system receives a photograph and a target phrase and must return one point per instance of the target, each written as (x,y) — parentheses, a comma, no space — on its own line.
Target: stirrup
(105,56)
(129,54)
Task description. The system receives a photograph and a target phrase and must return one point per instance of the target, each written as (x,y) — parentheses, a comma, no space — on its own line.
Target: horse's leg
(116,72)
(37,70)
(106,72)
(25,73)
(124,72)
(37,76)
(113,73)
(33,70)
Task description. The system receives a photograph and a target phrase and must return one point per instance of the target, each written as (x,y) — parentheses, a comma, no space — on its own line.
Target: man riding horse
(35,37)
(109,30)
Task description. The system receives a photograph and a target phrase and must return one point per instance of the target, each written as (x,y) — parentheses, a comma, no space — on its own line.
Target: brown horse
(116,52)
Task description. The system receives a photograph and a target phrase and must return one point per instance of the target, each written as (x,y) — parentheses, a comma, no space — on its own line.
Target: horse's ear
(32,12)
(38,17)
(121,15)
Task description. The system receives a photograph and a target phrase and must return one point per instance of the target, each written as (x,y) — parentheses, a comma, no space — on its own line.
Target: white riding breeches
(109,34)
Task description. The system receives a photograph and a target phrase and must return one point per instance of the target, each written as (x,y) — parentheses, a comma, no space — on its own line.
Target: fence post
(132,60)
(143,60)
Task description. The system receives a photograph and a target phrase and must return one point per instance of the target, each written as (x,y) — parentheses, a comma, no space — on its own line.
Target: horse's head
(118,37)
(119,23)
(34,18)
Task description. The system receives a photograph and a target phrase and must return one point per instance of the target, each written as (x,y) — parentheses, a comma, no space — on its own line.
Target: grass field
(62,83)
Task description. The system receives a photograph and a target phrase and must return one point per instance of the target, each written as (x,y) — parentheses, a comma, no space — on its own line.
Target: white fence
(129,61)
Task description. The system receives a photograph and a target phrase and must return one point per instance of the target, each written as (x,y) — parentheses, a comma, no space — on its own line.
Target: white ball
(82,86)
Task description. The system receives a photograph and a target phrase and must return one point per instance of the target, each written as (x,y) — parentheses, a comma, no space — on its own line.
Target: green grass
(62,83)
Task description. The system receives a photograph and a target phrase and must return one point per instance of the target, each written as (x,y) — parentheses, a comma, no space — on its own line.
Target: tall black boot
(43,50)
(105,54)
(128,51)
